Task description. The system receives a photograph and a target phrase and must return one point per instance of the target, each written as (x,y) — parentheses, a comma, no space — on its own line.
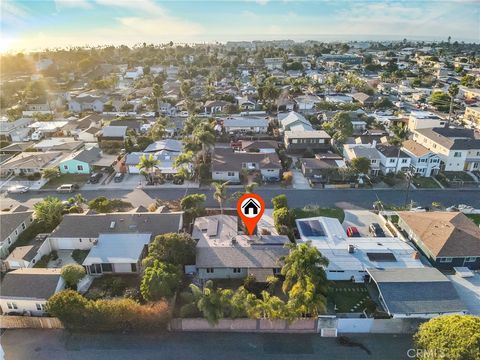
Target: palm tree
(452,91)
(205,136)
(220,194)
(208,301)
(157,93)
(305,279)
(147,165)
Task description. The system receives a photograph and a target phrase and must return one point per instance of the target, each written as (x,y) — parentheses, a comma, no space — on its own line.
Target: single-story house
(416,293)
(227,165)
(245,124)
(59,144)
(26,291)
(31,162)
(167,146)
(448,239)
(223,253)
(263,146)
(80,162)
(294,121)
(215,106)
(166,162)
(320,170)
(12,224)
(364,99)
(112,136)
(117,253)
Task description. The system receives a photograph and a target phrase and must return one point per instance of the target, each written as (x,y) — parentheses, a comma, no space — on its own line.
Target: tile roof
(444,233)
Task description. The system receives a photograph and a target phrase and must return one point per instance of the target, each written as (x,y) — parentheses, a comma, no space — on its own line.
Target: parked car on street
(118,178)
(95,178)
(352,231)
(376,230)
(17,189)
(67,188)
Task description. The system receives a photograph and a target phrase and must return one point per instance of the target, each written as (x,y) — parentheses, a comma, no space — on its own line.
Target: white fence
(368,326)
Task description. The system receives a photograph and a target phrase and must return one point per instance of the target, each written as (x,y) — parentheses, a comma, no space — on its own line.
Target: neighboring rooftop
(9,221)
(34,283)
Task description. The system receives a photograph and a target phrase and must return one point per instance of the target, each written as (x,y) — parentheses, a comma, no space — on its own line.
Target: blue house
(80,162)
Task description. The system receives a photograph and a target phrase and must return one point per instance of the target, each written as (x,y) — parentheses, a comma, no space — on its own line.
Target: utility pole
(409,175)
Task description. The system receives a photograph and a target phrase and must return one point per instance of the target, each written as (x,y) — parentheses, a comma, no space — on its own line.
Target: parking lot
(362,219)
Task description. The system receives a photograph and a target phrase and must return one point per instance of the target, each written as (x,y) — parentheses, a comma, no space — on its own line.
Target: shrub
(72,274)
(172,248)
(281,217)
(79,255)
(189,310)
(249,282)
(287,177)
(160,281)
(279,201)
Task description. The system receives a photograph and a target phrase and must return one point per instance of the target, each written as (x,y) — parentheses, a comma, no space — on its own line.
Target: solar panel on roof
(312,228)
(381,256)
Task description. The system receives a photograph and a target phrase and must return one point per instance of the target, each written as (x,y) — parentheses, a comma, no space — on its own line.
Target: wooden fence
(29,322)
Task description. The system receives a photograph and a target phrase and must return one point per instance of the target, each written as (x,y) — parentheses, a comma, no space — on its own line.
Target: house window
(9,241)
(404,161)
(445,259)
(294,141)
(209,270)
(236,270)
(276,271)
(39,307)
(107,267)
(470,259)
(24,226)
(65,167)
(16,232)
(134,267)
(12,306)
(80,167)
(391,161)
(373,161)
(457,154)
(230,173)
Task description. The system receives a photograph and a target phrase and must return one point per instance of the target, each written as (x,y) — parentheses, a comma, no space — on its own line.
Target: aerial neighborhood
(121,168)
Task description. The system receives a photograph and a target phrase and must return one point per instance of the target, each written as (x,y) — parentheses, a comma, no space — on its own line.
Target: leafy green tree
(220,194)
(72,274)
(69,306)
(279,201)
(160,280)
(49,211)
(172,248)
(250,187)
(453,337)
(440,100)
(157,131)
(209,302)
(342,125)
(361,165)
(282,217)
(383,103)
(147,165)
(51,173)
(305,279)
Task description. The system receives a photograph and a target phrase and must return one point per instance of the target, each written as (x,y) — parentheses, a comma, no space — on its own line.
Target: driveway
(299,181)
(362,219)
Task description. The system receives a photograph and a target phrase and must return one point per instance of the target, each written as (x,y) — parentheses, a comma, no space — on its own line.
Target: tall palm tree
(220,194)
(452,91)
(147,165)
(157,93)
(205,136)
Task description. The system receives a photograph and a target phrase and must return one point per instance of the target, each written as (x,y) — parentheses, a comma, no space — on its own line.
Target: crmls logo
(422,353)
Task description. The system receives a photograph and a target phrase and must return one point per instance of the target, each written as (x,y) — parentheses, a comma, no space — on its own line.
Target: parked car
(118,177)
(17,189)
(420,209)
(352,231)
(376,230)
(67,188)
(452,208)
(95,177)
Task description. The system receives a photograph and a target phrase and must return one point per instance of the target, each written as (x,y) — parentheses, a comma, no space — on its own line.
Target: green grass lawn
(475,218)
(313,211)
(457,175)
(78,179)
(424,182)
(345,295)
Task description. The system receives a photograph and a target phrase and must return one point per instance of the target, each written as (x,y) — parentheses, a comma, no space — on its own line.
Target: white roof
(114,131)
(48,125)
(117,249)
(334,244)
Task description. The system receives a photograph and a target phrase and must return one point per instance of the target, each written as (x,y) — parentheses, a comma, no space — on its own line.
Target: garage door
(64,244)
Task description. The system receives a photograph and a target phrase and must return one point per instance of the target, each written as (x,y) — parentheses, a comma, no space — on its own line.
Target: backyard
(475,218)
(108,286)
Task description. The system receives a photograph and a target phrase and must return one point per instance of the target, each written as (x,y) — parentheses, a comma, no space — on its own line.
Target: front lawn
(424,183)
(79,179)
(314,211)
(475,218)
(346,296)
(457,175)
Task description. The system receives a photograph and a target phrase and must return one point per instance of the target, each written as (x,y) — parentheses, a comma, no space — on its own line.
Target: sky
(37,24)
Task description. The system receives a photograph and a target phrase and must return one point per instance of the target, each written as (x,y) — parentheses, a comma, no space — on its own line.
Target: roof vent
(351,249)
(112,225)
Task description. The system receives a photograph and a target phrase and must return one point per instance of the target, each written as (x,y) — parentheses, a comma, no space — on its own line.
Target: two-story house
(458,149)
(423,161)
(299,141)
(368,151)
(392,159)
(424,119)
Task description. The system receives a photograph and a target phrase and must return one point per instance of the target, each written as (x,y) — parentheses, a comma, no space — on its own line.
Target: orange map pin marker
(250,208)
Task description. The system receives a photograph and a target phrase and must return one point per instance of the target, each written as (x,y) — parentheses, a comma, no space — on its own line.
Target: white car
(18,189)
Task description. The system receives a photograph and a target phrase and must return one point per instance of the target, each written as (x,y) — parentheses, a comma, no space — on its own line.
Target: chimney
(416,255)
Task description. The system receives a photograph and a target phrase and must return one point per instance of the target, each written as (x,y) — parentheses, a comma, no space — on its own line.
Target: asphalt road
(59,345)
(347,199)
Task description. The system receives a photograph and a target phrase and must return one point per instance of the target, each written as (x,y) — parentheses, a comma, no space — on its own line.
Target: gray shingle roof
(90,226)
(241,256)
(10,221)
(227,160)
(30,283)
(416,291)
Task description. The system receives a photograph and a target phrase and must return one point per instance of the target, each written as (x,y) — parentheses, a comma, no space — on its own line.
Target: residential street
(59,345)
(347,199)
